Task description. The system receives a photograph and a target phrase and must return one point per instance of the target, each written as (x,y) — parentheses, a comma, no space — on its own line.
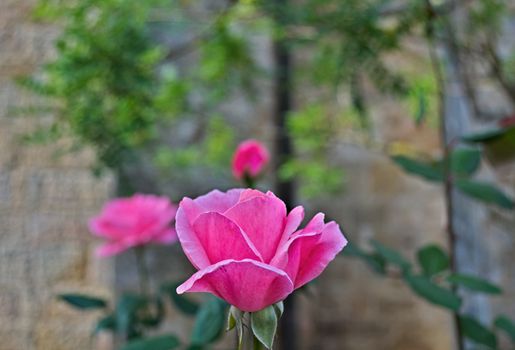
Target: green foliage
(128,314)
(106,323)
(373,260)
(465,161)
(474,283)
(507,325)
(104,78)
(162,342)
(485,192)
(433,293)
(434,286)
(312,129)
(476,332)
(181,302)
(80,301)
(391,256)
(433,260)
(209,323)
(421,99)
(426,170)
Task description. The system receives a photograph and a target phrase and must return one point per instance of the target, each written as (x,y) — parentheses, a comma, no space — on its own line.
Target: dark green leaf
(162,342)
(426,170)
(475,331)
(507,325)
(485,136)
(182,302)
(154,313)
(264,325)
(465,161)
(485,192)
(391,256)
(474,283)
(107,323)
(432,259)
(81,301)
(433,293)
(209,322)
(374,261)
(127,309)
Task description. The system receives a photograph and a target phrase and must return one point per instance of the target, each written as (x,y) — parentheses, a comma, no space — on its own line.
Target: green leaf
(391,256)
(162,342)
(183,303)
(507,325)
(474,283)
(485,136)
(476,332)
(374,261)
(465,161)
(485,192)
(209,323)
(433,293)
(264,325)
(127,310)
(83,302)
(106,323)
(425,170)
(433,259)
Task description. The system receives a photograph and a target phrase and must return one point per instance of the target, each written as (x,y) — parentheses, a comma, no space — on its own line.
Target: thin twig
(448,184)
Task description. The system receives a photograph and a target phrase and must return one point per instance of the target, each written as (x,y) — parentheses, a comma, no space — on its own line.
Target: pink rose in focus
(250,158)
(248,250)
(134,221)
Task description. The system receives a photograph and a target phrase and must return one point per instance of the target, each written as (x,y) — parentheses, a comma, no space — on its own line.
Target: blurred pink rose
(248,250)
(134,221)
(250,157)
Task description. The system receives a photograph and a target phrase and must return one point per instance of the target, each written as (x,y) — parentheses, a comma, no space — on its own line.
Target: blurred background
(395,118)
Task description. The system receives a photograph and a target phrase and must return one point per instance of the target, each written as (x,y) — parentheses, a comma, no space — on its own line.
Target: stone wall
(45,248)
(44,204)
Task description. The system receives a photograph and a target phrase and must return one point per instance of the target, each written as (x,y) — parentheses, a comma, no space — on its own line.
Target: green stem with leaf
(143,275)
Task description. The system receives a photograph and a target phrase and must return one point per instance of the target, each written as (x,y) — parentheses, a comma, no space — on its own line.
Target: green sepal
(264,325)
(235,319)
(279,309)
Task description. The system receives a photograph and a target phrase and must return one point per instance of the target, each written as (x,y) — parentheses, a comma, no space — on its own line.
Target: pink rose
(250,158)
(248,251)
(134,221)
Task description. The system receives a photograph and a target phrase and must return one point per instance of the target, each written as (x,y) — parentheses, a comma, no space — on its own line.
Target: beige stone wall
(45,248)
(44,204)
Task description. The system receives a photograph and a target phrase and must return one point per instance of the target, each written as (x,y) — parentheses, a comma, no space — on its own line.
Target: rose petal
(293,221)
(189,240)
(310,253)
(262,219)
(249,194)
(247,284)
(222,239)
(219,201)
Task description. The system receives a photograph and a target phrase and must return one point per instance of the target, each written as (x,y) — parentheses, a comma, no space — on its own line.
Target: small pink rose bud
(134,221)
(250,158)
